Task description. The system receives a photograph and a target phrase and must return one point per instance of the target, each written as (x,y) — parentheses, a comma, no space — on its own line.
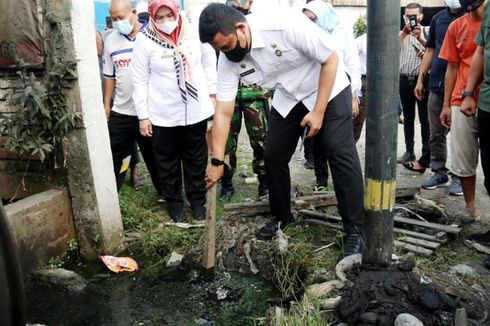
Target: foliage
(43,117)
(360,26)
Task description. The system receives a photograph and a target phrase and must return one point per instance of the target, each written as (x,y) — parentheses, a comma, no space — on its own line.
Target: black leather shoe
(227,191)
(406,158)
(268,231)
(352,245)
(199,212)
(176,212)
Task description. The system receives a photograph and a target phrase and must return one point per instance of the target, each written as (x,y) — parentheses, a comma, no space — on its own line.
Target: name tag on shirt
(248,72)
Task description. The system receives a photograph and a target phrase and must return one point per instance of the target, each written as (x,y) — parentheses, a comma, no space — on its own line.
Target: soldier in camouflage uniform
(252,103)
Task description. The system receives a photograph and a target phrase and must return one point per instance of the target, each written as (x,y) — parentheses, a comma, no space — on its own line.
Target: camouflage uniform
(253,103)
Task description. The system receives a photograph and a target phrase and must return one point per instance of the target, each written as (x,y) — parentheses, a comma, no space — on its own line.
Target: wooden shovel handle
(209,252)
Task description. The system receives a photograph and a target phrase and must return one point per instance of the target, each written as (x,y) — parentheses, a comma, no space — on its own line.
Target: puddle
(178,297)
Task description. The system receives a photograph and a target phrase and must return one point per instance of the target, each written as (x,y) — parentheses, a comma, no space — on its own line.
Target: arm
(109,87)
(109,73)
(424,70)
(449,82)
(469,105)
(140,72)
(227,85)
(403,34)
(328,71)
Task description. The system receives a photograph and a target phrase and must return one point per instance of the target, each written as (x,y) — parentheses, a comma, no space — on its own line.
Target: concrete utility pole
(381,130)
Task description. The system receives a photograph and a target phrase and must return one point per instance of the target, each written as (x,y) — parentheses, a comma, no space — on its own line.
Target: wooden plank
(433,226)
(412,248)
(320,215)
(323,199)
(323,223)
(421,243)
(262,207)
(419,235)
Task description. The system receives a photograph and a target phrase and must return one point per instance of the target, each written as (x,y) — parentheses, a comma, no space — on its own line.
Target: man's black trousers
(408,99)
(338,142)
(123,132)
(178,149)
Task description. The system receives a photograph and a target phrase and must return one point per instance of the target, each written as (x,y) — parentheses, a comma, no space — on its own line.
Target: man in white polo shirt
(122,117)
(288,53)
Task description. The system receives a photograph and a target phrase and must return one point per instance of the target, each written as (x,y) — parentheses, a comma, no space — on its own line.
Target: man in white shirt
(122,117)
(292,55)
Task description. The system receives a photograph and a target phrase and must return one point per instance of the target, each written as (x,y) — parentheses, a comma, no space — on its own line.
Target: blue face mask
(453,4)
(123,26)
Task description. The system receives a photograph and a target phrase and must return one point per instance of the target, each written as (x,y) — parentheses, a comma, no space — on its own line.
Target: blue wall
(101,12)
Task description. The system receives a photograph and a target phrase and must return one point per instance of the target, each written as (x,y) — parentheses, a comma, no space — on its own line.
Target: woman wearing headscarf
(324,15)
(174,77)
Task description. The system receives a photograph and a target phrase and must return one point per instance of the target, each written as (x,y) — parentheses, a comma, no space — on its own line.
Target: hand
(421,54)
(445,117)
(355,107)
(146,128)
(213,174)
(107,110)
(407,29)
(468,106)
(419,90)
(314,121)
(417,32)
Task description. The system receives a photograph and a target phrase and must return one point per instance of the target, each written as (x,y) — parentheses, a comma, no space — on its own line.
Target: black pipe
(14,280)
(383,50)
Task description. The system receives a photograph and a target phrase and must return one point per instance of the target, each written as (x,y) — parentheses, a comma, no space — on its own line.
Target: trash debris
(120,264)
(282,242)
(246,250)
(317,291)
(198,224)
(221,294)
(175,259)
(462,269)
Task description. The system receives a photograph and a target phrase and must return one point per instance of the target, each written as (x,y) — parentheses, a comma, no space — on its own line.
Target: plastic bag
(120,264)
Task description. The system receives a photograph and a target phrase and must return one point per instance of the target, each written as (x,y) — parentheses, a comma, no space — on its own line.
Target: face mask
(123,26)
(238,53)
(167,27)
(453,4)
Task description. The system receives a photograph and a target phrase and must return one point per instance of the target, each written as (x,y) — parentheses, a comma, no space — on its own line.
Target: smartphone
(108,22)
(412,21)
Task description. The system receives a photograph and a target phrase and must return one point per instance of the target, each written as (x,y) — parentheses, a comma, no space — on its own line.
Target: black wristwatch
(216,162)
(467,93)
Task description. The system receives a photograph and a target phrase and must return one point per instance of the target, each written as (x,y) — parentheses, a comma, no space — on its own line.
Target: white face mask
(453,4)
(123,26)
(167,27)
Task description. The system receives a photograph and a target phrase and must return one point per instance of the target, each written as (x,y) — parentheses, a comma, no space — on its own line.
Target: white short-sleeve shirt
(118,53)
(286,55)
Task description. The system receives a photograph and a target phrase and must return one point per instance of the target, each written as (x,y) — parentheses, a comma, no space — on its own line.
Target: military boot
(227,190)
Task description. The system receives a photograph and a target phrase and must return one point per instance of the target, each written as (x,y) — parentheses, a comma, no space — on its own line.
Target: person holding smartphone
(412,43)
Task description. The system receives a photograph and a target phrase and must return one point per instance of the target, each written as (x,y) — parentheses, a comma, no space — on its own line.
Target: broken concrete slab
(61,279)
(175,259)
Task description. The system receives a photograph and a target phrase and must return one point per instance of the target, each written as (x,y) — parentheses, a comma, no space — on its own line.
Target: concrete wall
(42,225)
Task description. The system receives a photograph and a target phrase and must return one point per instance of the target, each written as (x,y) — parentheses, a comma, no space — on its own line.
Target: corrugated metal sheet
(363,3)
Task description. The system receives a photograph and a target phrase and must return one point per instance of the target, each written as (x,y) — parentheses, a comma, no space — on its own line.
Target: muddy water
(177,297)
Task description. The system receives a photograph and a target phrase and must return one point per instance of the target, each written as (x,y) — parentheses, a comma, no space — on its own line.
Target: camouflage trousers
(255,114)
